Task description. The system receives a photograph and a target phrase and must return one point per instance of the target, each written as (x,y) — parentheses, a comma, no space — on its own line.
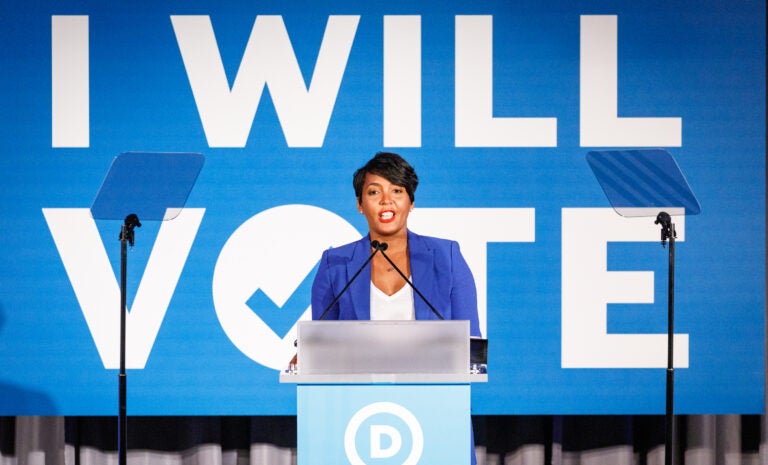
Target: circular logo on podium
(386,439)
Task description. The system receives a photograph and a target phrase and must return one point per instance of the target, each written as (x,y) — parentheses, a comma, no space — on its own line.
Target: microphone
(126,232)
(383,246)
(376,246)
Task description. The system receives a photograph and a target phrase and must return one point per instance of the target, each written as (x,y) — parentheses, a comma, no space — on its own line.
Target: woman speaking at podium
(385,189)
(442,284)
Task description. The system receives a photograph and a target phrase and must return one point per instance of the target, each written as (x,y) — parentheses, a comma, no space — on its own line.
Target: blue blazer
(438,270)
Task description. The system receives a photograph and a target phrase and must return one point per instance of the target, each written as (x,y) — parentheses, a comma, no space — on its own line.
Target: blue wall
(496,105)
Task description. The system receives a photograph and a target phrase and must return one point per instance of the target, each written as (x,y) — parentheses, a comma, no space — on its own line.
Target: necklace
(389,267)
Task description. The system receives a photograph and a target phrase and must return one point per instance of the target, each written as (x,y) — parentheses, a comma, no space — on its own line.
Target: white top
(398,306)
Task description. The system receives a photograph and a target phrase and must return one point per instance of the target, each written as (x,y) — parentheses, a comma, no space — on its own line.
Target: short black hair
(391,167)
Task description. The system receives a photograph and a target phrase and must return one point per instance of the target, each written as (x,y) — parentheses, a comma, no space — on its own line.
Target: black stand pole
(126,238)
(158,197)
(668,233)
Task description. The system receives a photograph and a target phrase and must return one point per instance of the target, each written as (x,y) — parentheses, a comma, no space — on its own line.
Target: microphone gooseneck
(382,246)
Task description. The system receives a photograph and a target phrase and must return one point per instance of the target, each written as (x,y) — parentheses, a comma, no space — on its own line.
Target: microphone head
(383,246)
(375,245)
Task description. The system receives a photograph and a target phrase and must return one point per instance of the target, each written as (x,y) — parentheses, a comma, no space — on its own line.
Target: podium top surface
(384,350)
(373,378)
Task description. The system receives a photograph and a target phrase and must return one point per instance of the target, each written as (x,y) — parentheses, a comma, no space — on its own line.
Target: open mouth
(387,216)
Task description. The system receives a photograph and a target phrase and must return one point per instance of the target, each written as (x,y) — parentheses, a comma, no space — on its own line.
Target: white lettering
(395,441)
(475,124)
(600,124)
(98,292)
(402,81)
(305,111)
(70,107)
(587,288)
(269,59)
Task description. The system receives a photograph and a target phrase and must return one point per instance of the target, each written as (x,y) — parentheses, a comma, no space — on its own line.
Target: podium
(383,392)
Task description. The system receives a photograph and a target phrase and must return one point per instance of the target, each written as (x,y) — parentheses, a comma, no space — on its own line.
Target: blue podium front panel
(383,424)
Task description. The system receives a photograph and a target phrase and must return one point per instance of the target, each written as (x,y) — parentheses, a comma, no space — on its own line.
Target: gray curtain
(501,440)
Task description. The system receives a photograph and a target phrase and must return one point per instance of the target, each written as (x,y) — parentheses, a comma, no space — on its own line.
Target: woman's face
(385,205)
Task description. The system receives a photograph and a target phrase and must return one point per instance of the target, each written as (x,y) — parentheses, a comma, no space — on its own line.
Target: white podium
(384,392)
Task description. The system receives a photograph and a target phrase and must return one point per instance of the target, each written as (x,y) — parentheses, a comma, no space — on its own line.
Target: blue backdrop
(495,104)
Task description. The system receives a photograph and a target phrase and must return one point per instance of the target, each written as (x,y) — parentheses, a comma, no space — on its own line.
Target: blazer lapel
(422,261)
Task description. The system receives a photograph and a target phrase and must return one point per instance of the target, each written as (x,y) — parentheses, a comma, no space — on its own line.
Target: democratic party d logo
(381,431)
